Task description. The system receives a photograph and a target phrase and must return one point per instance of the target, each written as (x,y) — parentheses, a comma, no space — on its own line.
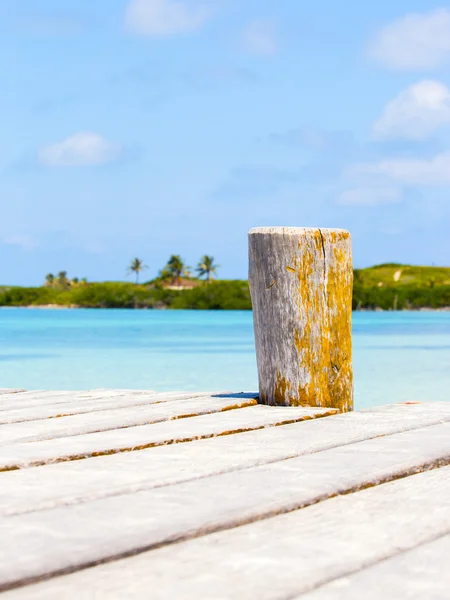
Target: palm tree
(175,269)
(49,280)
(136,266)
(206,267)
(62,280)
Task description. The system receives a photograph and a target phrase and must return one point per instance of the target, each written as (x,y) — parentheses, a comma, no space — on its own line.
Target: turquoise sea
(398,356)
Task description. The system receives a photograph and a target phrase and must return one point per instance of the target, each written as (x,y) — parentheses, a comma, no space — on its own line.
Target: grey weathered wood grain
(47,404)
(66,426)
(29,490)
(20,455)
(301,287)
(70,537)
(46,408)
(418,574)
(319,544)
(31,397)
(39,398)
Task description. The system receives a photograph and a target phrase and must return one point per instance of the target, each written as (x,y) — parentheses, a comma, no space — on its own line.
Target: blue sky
(151,127)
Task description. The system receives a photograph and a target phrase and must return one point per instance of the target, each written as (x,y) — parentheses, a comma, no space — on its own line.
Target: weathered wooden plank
(30,397)
(39,398)
(35,406)
(70,537)
(280,557)
(10,391)
(108,420)
(52,411)
(416,574)
(52,485)
(94,406)
(105,402)
(14,456)
(301,285)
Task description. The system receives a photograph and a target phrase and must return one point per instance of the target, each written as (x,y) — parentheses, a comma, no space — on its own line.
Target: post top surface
(294,230)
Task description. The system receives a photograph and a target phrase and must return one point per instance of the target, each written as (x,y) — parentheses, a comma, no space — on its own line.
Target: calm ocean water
(397,356)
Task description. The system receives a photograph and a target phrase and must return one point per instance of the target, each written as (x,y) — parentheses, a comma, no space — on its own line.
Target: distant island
(388,286)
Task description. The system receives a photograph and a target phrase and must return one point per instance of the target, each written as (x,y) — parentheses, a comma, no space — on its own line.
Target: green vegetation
(206,267)
(386,287)
(397,287)
(174,271)
(215,295)
(136,267)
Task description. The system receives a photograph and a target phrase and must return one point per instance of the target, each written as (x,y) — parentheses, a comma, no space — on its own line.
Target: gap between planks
(117,418)
(140,437)
(326,542)
(45,406)
(25,490)
(49,543)
(421,572)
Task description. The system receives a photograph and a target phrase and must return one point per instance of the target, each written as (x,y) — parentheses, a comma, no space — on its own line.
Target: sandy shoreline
(74,307)
(49,306)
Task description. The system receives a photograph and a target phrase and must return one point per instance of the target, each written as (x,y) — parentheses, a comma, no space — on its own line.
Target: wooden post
(301,287)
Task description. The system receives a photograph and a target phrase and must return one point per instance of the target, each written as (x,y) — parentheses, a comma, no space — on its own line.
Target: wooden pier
(134,494)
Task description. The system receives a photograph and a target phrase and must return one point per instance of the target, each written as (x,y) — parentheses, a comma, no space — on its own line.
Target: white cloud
(24,241)
(370,196)
(410,171)
(47,25)
(162,18)
(416,112)
(416,41)
(260,37)
(80,149)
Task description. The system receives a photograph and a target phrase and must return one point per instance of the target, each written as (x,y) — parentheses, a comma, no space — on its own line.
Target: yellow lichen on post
(303,321)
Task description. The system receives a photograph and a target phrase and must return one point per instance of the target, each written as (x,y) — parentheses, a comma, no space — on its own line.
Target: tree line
(387,287)
(62,282)
(176,269)
(173,272)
